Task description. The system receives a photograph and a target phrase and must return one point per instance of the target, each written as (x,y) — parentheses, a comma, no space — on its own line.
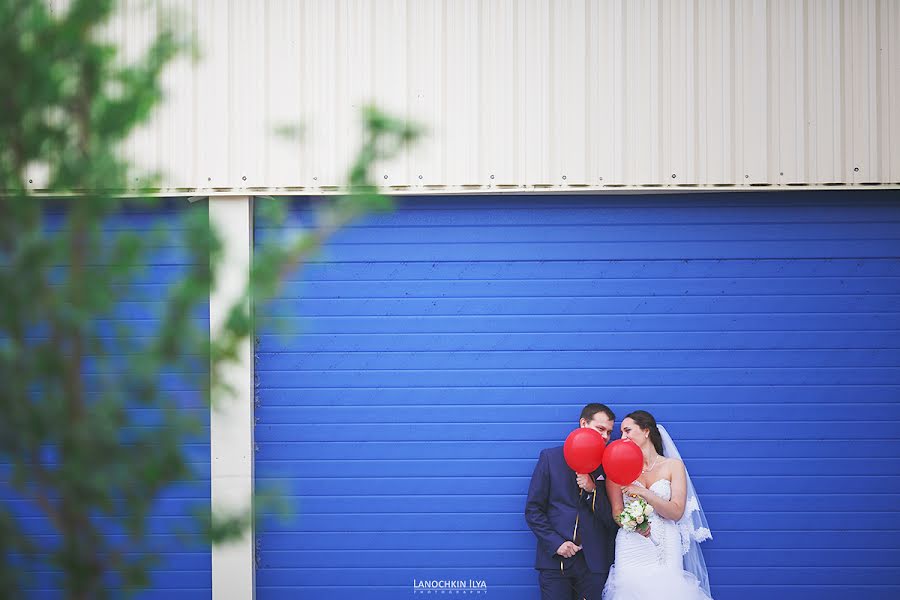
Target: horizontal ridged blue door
(183,571)
(424,359)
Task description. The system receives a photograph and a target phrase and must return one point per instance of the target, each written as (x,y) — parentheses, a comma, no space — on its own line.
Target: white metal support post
(231,420)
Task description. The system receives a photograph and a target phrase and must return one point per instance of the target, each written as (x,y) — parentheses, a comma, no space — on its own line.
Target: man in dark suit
(571,517)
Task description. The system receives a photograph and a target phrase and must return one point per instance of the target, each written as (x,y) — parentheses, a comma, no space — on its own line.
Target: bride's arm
(668,509)
(614,493)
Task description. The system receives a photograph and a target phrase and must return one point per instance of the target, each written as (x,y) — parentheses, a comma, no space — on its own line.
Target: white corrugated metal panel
(889,82)
(822,76)
(282,44)
(212,119)
(531,94)
(860,68)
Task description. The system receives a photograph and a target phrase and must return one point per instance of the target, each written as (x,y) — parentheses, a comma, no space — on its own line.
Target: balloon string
(575,533)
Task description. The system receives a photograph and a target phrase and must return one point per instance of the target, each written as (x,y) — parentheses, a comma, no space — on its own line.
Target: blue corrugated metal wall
(185,568)
(426,358)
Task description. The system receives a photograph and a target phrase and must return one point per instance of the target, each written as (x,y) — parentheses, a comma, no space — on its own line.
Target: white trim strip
(231,421)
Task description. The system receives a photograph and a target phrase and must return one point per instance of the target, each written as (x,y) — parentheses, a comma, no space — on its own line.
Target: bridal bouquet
(635,515)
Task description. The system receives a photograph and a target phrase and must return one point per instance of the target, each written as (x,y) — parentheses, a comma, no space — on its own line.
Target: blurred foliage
(88,436)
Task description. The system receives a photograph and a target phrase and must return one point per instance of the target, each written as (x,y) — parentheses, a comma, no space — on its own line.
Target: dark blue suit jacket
(554,502)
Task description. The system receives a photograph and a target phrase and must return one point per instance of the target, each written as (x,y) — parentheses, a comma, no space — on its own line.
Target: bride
(667,563)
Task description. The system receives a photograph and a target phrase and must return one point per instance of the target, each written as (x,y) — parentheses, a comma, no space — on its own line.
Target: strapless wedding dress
(651,568)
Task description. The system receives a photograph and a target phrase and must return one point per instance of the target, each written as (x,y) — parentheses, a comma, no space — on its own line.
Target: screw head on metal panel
(492,176)
(420,177)
(746,177)
(781,173)
(315,178)
(209,178)
(673,175)
(564,176)
(385,176)
(601,179)
(244,178)
(30,181)
(856,169)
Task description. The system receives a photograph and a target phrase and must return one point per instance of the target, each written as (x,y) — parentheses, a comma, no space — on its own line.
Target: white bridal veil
(692,526)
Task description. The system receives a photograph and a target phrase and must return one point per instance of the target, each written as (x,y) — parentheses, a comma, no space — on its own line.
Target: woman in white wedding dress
(667,564)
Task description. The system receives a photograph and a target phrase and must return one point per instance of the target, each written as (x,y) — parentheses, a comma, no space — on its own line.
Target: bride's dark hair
(645,420)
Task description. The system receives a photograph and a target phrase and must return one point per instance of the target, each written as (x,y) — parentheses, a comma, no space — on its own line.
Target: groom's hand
(585,482)
(568,549)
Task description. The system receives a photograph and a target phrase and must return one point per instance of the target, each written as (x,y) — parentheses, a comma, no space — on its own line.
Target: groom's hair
(588,412)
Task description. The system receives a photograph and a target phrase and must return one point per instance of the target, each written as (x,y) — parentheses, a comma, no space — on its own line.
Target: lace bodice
(663,489)
(660,487)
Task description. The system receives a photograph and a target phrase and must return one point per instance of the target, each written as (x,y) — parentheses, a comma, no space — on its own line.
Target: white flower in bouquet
(634,515)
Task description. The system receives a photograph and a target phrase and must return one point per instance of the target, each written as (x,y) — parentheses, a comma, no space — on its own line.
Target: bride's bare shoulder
(673,463)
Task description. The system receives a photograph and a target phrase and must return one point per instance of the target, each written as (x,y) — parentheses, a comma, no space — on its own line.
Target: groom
(571,517)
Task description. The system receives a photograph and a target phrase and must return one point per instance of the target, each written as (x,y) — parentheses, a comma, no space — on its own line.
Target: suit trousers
(575,582)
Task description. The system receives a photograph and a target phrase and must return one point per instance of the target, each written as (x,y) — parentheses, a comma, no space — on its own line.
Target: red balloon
(584,450)
(622,462)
